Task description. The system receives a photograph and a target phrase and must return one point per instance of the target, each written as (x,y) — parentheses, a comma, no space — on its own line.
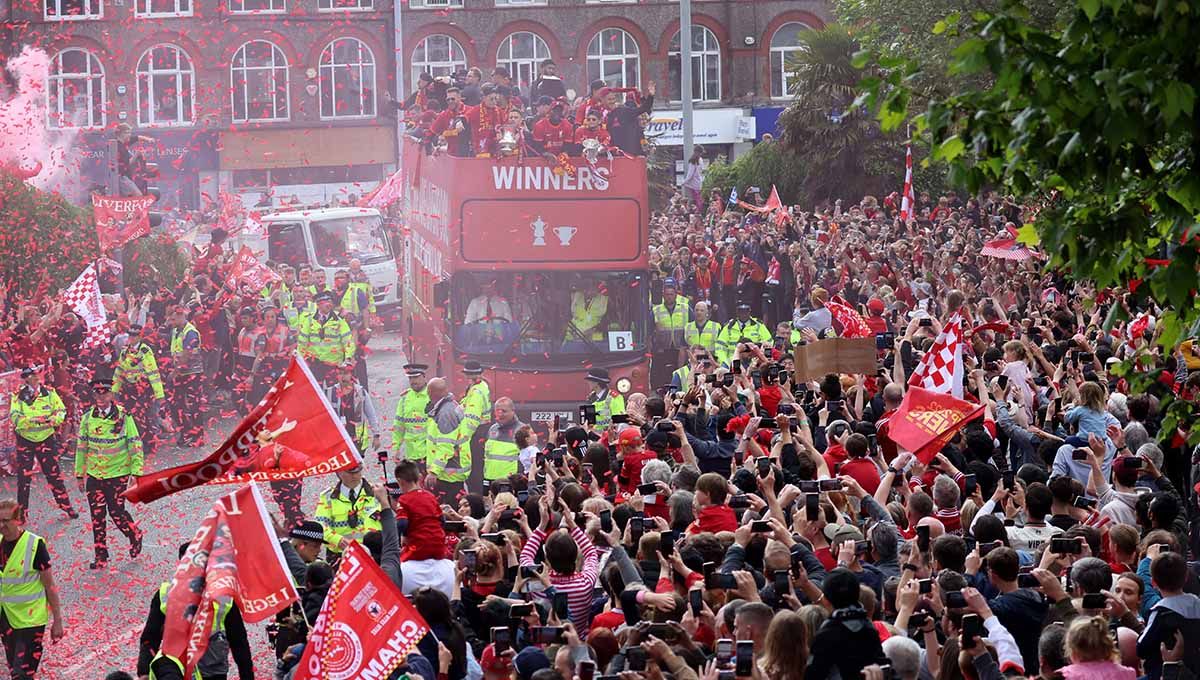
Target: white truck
(325,240)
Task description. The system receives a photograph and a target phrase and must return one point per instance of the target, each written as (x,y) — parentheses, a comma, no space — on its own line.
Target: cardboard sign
(835,355)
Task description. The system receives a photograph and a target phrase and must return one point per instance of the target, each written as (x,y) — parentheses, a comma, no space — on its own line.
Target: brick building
(237,94)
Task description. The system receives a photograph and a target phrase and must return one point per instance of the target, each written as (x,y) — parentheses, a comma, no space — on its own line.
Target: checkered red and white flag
(83,298)
(941,369)
(906,203)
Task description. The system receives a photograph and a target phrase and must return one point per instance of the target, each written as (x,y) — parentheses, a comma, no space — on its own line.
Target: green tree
(839,142)
(766,164)
(46,241)
(153,262)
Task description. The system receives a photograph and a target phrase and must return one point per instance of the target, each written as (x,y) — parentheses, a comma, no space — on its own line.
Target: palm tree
(845,152)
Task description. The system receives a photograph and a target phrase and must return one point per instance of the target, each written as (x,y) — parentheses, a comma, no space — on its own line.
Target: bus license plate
(548,416)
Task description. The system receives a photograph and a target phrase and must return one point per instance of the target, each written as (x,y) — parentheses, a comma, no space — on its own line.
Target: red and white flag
(385,193)
(120,219)
(366,627)
(852,323)
(234,557)
(907,201)
(926,421)
(292,433)
(941,369)
(247,269)
(83,297)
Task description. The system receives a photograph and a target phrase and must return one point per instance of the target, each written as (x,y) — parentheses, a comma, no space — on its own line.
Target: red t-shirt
(714,518)
(863,471)
(424,539)
(551,136)
(835,455)
(631,469)
(825,555)
(770,396)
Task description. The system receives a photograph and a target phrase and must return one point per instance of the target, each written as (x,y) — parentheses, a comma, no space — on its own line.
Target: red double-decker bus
(535,273)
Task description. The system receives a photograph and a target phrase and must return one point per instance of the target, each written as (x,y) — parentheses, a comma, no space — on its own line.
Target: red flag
(926,420)
(941,369)
(292,433)
(366,627)
(233,558)
(385,193)
(120,219)
(247,269)
(907,201)
(773,202)
(852,323)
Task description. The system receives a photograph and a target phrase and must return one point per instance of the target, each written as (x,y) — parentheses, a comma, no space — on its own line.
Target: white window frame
(516,64)
(96,5)
(710,51)
(602,58)
(54,84)
(439,67)
(138,4)
(237,81)
(436,4)
(328,72)
(612,2)
(359,6)
(274,10)
(521,3)
(180,74)
(779,57)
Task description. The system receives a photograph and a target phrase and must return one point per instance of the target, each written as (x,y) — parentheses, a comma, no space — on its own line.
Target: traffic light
(148,180)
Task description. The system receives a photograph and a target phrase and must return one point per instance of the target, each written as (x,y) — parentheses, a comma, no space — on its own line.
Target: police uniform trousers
(138,400)
(46,455)
(22,648)
(187,405)
(104,500)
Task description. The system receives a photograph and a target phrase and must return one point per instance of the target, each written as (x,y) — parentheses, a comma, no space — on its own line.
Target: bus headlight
(624,386)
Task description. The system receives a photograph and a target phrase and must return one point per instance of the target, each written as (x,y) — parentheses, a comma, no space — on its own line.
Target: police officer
(742,328)
(607,403)
(477,401)
(347,511)
(228,636)
(355,305)
(356,409)
(671,318)
(500,451)
(107,451)
(325,338)
(409,434)
(139,387)
(702,330)
(449,453)
(699,361)
(28,594)
(187,377)
(36,412)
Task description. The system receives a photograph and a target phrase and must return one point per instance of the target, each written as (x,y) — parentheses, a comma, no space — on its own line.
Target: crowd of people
(735,522)
(466,117)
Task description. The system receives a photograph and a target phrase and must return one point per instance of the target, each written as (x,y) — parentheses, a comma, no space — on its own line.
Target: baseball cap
(629,436)
(836,533)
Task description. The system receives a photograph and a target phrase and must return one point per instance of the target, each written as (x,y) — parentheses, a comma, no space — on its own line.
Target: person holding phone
(848,641)
(564,547)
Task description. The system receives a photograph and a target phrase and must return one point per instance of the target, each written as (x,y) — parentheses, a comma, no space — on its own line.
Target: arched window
(440,55)
(259,80)
(166,87)
(75,91)
(706,66)
(522,54)
(613,57)
(784,44)
(347,80)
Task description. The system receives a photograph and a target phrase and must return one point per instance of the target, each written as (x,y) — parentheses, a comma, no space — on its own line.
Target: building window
(259,78)
(164,8)
(75,91)
(438,55)
(257,6)
(520,3)
(166,87)
(522,53)
(345,5)
(706,66)
(613,57)
(784,45)
(347,80)
(434,4)
(69,10)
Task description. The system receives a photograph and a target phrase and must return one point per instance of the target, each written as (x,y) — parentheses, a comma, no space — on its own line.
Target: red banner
(927,420)
(233,558)
(366,627)
(293,433)
(120,219)
(248,270)
(10,382)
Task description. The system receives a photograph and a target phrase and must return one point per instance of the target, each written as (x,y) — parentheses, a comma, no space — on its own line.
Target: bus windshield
(545,315)
(337,241)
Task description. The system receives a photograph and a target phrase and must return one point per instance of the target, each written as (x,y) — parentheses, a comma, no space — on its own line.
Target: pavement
(104,610)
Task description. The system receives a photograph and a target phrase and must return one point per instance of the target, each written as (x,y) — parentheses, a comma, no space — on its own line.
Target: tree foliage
(768,163)
(153,262)
(843,147)
(46,241)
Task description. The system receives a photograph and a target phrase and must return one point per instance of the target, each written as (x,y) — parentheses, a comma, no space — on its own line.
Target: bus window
(549,314)
(338,241)
(285,244)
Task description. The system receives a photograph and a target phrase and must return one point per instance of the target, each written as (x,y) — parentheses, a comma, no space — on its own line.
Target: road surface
(105,609)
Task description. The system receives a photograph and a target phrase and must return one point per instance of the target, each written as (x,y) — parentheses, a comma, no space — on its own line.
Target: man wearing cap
(409,431)
(251,343)
(325,339)
(500,450)
(851,558)
(875,309)
(107,452)
(187,376)
(36,412)
(743,327)
(478,399)
(671,317)
(632,456)
(607,403)
(447,430)
(354,406)
(138,384)
(347,511)
(702,330)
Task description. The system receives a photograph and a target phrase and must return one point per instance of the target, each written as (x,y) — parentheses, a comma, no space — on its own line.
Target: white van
(325,240)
